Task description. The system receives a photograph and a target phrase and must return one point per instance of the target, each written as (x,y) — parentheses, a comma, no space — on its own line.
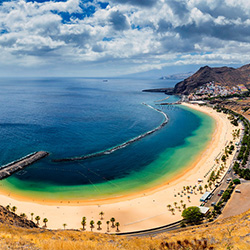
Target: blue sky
(118,37)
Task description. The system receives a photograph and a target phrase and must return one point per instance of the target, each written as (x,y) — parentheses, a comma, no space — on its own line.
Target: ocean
(71,117)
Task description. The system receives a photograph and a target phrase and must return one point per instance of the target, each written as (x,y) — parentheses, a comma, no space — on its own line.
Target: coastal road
(153,231)
(223,184)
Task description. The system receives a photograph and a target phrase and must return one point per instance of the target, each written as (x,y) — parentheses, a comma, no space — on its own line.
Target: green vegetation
(192,215)
(23,215)
(101,214)
(92,225)
(45,220)
(236,181)
(235,122)
(113,221)
(243,173)
(99,223)
(245,147)
(37,219)
(13,209)
(117,224)
(223,158)
(83,222)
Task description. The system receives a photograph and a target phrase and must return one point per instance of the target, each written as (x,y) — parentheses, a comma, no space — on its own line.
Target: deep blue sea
(71,117)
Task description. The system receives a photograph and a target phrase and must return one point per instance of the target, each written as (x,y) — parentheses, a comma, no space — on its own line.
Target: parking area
(239,202)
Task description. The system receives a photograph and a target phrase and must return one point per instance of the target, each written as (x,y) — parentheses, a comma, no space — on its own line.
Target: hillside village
(212,89)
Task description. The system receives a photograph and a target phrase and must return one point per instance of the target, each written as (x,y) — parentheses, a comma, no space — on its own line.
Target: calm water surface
(72,117)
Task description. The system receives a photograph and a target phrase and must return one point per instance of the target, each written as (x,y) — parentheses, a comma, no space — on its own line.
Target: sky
(95,38)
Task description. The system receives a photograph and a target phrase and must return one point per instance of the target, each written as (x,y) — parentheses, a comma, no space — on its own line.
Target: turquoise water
(74,117)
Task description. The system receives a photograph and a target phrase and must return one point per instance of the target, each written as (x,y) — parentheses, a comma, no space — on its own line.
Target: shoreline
(138,207)
(122,197)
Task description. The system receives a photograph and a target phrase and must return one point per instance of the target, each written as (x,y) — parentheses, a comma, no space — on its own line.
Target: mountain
(225,76)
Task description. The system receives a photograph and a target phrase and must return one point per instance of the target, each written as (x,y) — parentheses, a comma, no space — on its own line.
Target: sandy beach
(143,210)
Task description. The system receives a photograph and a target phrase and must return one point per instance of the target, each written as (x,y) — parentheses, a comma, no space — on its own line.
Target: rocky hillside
(224,76)
(10,218)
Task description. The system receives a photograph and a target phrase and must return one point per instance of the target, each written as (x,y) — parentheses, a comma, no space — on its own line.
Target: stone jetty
(15,166)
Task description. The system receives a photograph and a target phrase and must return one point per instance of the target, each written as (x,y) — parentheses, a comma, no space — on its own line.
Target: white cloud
(137,36)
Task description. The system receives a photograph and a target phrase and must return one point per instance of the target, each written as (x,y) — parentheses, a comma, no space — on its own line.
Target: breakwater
(15,166)
(163,99)
(120,146)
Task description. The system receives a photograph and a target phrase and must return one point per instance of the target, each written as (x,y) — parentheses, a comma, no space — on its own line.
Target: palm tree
(32,214)
(23,215)
(107,225)
(117,224)
(200,188)
(175,203)
(83,223)
(169,206)
(92,225)
(45,220)
(206,187)
(210,185)
(101,214)
(8,207)
(181,201)
(64,225)
(13,209)
(99,223)
(37,219)
(113,221)
(172,210)
(188,188)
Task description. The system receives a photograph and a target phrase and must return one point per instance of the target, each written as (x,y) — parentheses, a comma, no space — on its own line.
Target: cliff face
(224,76)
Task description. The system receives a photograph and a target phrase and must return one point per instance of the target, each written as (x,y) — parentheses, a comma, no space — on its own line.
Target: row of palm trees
(23,215)
(83,222)
(99,223)
(200,188)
